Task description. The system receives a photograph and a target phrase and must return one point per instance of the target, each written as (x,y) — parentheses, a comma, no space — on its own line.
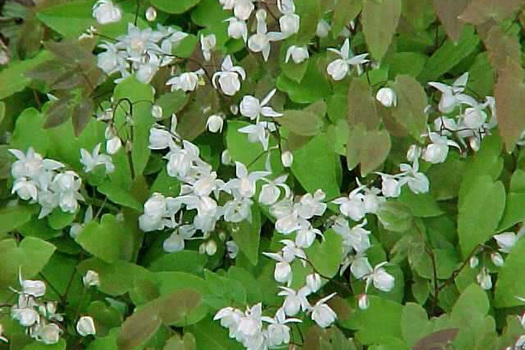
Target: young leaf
(380,19)
(362,106)
(480,211)
(370,148)
(411,104)
(481,11)
(448,12)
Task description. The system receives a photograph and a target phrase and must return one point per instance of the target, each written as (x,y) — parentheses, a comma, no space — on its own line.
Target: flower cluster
(38,317)
(140,52)
(44,181)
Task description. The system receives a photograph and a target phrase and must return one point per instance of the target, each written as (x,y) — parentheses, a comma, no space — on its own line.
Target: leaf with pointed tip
(344,12)
(438,340)
(510,102)
(370,148)
(362,108)
(380,20)
(448,12)
(81,115)
(481,11)
(411,104)
(502,47)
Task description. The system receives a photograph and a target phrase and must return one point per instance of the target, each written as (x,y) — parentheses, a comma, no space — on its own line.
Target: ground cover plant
(262,174)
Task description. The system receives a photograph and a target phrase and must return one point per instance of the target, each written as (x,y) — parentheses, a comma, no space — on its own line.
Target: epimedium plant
(241,174)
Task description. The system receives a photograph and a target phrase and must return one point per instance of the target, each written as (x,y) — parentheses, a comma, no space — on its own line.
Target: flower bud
(363,302)
(484,279)
(232,248)
(151,14)
(413,153)
(86,326)
(473,262)
(287,159)
(387,97)
(497,259)
(211,248)
(214,123)
(49,334)
(313,282)
(226,158)
(113,145)
(156,112)
(283,272)
(91,279)
(323,28)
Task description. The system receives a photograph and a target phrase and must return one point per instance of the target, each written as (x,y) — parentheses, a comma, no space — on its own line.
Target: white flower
(94,159)
(506,241)
(294,301)
(356,237)
(381,279)
(186,81)
(413,153)
(226,158)
(237,29)
(339,68)
(390,186)
(449,98)
(91,279)
(25,316)
(33,288)
(113,145)
(360,266)
(151,14)
(48,334)
(352,206)
(250,323)
(445,126)
(160,139)
(311,205)
(387,97)
(229,317)
(305,237)
(242,9)
(287,159)
(417,182)
(278,332)
(25,189)
(245,182)
(229,77)
(298,54)
(208,43)
(86,326)
(252,108)
(322,314)
(271,191)
(437,151)
(289,22)
(214,123)
(260,42)
(104,11)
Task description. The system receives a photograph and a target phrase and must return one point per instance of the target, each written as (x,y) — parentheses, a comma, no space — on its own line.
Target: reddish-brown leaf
(448,12)
(480,11)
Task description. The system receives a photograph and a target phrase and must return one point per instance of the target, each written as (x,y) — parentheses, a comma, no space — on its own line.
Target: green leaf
(29,132)
(380,19)
(511,280)
(381,320)
(247,235)
(30,256)
(184,261)
(422,205)
(210,335)
(61,345)
(108,240)
(344,12)
(177,7)
(449,55)
(309,11)
(411,104)
(323,255)
(141,95)
(15,74)
(12,218)
(116,278)
(480,211)
(58,219)
(313,87)
(120,195)
(395,216)
(414,323)
(316,166)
